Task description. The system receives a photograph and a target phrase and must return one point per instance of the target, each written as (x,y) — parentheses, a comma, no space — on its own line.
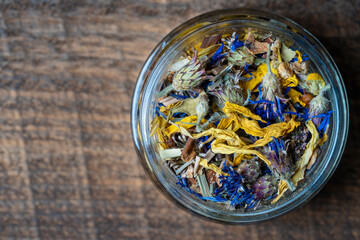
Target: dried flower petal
(241,57)
(315,83)
(284,70)
(210,40)
(300,67)
(254,46)
(205,164)
(286,53)
(296,97)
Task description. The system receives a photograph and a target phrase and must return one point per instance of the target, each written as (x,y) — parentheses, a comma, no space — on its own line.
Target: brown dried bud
(254,46)
(284,70)
(210,176)
(300,68)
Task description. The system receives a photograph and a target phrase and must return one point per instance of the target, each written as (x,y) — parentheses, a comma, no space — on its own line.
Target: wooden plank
(68,169)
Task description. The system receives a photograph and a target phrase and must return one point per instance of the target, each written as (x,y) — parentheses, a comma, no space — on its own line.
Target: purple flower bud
(249,169)
(264,187)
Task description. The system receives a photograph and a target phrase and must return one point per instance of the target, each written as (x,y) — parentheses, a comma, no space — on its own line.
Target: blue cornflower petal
(217,55)
(159,113)
(236,44)
(179,115)
(246,69)
(260,94)
(324,123)
(287,90)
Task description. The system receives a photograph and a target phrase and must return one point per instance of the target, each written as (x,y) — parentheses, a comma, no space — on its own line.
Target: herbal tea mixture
(241,118)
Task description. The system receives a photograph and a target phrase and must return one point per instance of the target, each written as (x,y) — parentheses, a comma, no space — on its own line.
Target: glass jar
(228,21)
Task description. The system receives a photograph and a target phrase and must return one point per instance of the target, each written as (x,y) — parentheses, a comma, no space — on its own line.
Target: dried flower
(254,46)
(319,105)
(281,164)
(264,187)
(284,70)
(300,67)
(271,87)
(241,57)
(249,169)
(202,109)
(228,93)
(189,76)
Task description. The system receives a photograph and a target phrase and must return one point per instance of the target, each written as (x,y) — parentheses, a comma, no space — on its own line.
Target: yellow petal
(304,160)
(299,56)
(183,123)
(222,134)
(158,125)
(166,110)
(281,190)
(275,130)
(205,164)
(252,127)
(225,149)
(239,157)
(295,97)
(225,123)
(257,78)
(241,110)
(209,50)
(292,81)
(323,139)
(279,55)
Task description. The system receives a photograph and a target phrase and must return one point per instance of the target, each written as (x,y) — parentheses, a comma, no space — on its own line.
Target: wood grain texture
(68,169)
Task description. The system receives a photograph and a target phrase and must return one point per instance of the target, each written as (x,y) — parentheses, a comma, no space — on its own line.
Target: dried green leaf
(286,53)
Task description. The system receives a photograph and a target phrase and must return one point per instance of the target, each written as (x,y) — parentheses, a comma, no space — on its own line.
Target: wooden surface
(68,169)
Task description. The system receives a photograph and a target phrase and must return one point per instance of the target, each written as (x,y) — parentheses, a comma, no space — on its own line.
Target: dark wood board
(68,168)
